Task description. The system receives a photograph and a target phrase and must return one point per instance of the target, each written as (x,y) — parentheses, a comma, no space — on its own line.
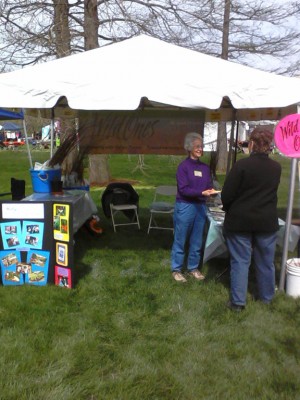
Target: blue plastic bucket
(41,179)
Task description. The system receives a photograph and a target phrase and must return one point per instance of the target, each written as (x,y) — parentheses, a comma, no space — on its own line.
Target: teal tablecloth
(215,245)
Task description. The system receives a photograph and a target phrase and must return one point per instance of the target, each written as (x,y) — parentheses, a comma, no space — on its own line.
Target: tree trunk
(222,147)
(222,135)
(98,166)
(91,24)
(225,37)
(61,28)
(62,34)
(98,163)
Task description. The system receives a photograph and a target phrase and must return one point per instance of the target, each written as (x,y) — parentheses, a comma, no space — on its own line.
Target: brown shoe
(178,277)
(197,275)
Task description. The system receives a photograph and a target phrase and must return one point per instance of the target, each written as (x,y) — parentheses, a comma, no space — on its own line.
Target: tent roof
(10,126)
(148,71)
(6,114)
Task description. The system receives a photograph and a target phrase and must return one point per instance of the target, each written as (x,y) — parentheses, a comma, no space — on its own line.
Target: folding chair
(115,208)
(161,207)
(121,197)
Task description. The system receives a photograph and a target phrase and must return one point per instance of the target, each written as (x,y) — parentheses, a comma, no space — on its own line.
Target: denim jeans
(242,247)
(189,222)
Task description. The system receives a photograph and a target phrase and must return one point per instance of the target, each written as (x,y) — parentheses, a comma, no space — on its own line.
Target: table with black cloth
(83,205)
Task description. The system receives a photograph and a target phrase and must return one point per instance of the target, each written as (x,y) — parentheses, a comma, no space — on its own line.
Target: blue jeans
(242,247)
(189,222)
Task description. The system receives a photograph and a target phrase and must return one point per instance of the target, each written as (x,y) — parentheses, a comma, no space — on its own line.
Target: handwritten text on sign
(138,131)
(287,135)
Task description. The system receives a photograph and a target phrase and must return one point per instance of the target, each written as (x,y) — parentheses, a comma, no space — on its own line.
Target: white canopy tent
(146,72)
(149,72)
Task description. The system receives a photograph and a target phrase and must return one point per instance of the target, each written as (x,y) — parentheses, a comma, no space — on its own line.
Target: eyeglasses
(198,147)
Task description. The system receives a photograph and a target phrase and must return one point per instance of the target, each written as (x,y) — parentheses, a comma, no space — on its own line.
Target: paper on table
(216,209)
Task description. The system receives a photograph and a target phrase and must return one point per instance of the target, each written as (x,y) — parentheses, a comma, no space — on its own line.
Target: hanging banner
(139,131)
(287,136)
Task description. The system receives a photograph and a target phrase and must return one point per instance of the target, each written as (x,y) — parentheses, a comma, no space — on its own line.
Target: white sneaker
(178,277)
(197,275)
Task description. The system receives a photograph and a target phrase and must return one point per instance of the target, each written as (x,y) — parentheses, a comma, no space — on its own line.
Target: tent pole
(236,142)
(288,219)
(288,224)
(52,132)
(230,155)
(26,139)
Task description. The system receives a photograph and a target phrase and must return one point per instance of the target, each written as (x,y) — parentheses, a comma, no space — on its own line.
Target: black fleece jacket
(249,195)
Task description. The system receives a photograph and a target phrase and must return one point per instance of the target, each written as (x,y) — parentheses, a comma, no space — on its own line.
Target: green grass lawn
(127,331)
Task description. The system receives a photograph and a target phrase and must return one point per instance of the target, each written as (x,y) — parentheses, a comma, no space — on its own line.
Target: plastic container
(41,179)
(56,187)
(293,277)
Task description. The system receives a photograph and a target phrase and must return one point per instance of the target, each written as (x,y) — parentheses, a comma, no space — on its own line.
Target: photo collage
(36,252)
(15,271)
(61,226)
(21,238)
(18,236)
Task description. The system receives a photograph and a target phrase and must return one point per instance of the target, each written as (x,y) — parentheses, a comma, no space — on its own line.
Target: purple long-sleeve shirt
(193,177)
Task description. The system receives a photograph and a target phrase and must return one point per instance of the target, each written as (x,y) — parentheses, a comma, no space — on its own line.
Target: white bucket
(293,277)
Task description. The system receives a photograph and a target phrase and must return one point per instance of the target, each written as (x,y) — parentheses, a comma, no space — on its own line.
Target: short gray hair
(189,140)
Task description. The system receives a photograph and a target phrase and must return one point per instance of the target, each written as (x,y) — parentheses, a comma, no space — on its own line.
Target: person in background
(249,198)
(1,139)
(57,139)
(194,186)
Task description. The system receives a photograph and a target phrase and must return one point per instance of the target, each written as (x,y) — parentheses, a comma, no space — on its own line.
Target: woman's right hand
(210,192)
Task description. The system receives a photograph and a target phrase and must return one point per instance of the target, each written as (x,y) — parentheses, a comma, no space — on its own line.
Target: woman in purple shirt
(194,185)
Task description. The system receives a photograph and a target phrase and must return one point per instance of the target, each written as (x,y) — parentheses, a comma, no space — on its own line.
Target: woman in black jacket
(249,199)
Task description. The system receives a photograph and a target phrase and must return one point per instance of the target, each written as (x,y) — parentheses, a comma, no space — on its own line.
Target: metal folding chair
(121,197)
(161,207)
(115,208)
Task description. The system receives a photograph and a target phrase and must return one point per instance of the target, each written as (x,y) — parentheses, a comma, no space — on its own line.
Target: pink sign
(287,135)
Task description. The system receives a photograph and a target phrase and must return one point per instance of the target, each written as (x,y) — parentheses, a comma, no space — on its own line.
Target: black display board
(36,243)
